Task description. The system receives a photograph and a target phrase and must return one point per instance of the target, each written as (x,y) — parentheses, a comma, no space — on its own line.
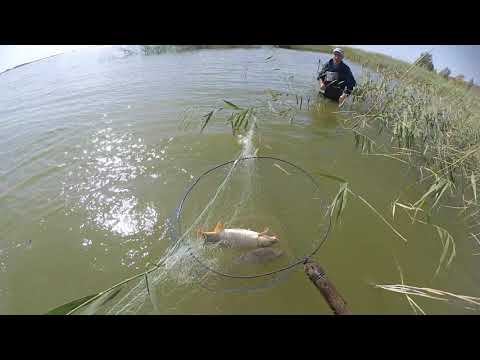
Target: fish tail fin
(219,227)
(264,232)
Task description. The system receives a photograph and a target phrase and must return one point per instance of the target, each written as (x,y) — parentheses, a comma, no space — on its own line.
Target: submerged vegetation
(430,121)
(427,121)
(433,124)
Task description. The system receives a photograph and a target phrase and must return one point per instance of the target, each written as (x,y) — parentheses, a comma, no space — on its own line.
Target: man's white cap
(338,50)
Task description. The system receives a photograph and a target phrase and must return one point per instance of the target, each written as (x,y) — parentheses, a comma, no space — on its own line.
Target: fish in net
(252,193)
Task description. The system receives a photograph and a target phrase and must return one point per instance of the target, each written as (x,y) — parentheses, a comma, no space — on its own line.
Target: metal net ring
(299,261)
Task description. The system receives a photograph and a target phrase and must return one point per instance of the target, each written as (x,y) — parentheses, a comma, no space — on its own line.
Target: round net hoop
(294,261)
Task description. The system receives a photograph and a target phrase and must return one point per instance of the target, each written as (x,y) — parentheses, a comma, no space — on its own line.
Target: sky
(461,59)
(13,55)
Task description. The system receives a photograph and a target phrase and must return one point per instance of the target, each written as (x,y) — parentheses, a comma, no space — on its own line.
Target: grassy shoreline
(376,61)
(414,103)
(433,124)
(353,54)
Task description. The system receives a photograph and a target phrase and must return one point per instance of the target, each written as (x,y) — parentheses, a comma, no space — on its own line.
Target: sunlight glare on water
(94,161)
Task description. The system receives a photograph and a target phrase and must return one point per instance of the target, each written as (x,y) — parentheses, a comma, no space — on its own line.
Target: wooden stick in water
(318,277)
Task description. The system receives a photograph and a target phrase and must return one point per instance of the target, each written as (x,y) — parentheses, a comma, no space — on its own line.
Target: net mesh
(257,193)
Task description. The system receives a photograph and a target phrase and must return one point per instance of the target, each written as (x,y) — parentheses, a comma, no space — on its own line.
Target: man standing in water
(336,78)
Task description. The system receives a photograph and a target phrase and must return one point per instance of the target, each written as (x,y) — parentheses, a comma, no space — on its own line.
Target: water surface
(94,161)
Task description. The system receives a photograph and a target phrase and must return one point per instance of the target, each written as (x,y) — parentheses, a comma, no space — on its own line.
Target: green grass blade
(474,186)
(382,218)
(433,188)
(344,198)
(329,176)
(66,308)
(232,105)
(208,117)
(443,188)
(152,294)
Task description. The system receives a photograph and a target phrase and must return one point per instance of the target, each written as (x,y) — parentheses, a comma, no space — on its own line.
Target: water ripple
(103,184)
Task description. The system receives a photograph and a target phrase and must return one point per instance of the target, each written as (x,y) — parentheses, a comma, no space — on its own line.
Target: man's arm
(323,72)
(349,81)
(321,76)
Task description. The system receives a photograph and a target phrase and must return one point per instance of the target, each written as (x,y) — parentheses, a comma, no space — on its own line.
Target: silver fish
(238,238)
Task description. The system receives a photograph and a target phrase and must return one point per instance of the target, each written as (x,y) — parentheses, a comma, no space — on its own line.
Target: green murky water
(93,163)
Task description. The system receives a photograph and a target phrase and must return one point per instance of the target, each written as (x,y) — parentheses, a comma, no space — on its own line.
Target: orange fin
(264,232)
(218,228)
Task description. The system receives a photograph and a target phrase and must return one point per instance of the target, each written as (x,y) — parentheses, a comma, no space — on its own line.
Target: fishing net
(253,192)
(262,194)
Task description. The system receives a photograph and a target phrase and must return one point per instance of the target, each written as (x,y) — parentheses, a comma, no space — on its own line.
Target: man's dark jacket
(344,83)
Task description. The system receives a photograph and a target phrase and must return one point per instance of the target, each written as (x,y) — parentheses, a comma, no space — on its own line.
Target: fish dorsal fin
(219,227)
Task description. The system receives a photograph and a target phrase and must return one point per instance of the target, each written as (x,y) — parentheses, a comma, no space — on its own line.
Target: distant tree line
(425,60)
